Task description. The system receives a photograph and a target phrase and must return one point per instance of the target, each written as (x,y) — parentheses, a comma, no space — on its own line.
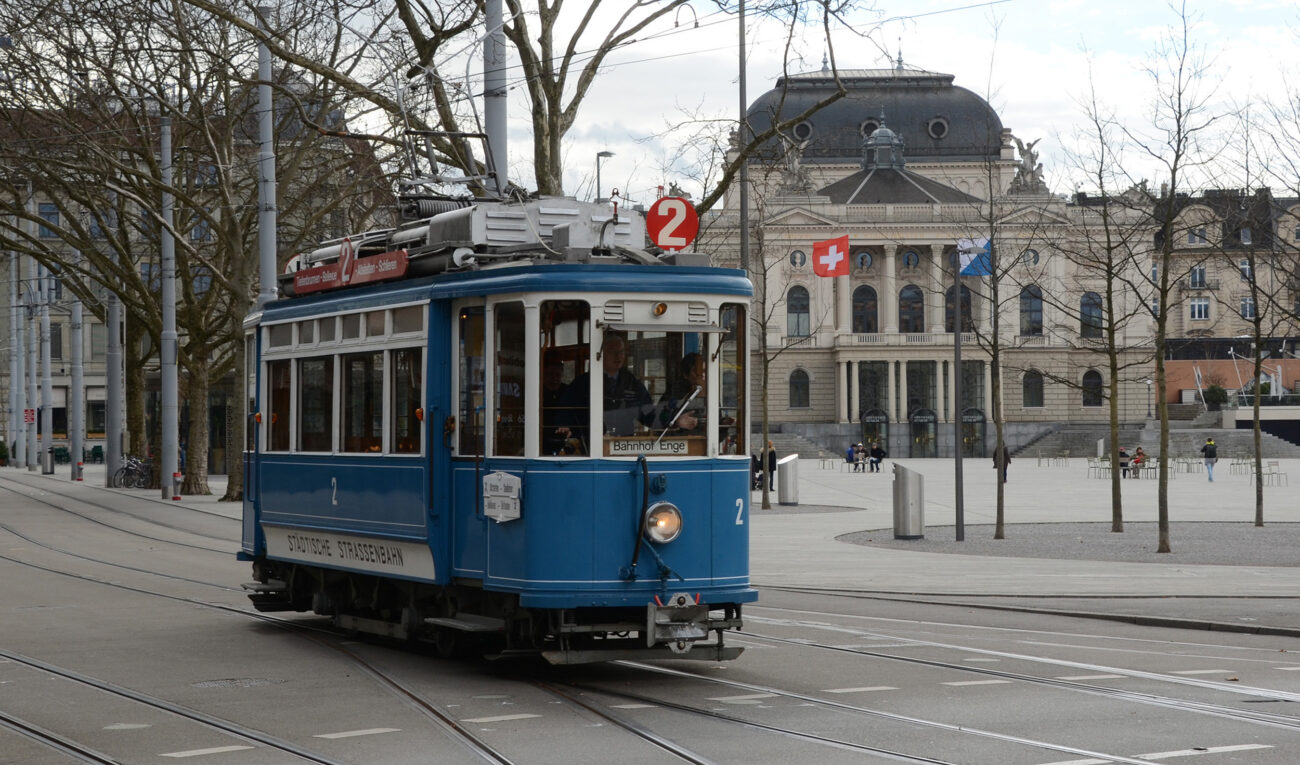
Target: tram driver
(627,403)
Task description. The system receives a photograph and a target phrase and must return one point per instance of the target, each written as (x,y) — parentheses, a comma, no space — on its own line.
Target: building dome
(936,120)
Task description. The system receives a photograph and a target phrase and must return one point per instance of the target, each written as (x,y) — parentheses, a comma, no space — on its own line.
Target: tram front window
(653,384)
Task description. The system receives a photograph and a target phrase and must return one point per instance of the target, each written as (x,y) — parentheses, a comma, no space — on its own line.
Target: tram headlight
(663,522)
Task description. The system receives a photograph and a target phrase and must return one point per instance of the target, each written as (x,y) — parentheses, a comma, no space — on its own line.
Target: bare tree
(1180,122)
(1109,244)
(90,149)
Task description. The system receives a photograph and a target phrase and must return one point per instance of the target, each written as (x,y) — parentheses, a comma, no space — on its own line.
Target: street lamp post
(599,156)
(1149,382)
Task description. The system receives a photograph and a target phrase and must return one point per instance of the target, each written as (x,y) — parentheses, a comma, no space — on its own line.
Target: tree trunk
(138,442)
(196,438)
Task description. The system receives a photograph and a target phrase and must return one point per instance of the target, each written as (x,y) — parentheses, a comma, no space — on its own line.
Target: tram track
(580,695)
(962,730)
(444,721)
(714,715)
(328,637)
(1284,721)
(241,732)
(5,486)
(54,741)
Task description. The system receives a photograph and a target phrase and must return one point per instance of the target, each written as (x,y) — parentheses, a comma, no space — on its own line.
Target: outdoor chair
(1272,474)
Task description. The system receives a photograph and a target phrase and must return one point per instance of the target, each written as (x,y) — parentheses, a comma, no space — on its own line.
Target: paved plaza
(809,545)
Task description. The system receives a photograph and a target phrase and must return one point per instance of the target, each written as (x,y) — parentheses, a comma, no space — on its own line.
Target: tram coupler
(678,621)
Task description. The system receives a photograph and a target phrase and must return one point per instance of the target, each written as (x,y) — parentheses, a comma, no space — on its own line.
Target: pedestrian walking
(1006,460)
(771,467)
(1211,453)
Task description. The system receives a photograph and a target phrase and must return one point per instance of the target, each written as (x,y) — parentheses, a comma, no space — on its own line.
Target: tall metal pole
(113,388)
(743,134)
(45,293)
(77,396)
(33,352)
(266,209)
(494,94)
(170,407)
(17,401)
(958,315)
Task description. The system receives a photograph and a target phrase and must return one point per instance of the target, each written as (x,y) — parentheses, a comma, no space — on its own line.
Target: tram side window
(408,319)
(566,347)
(315,404)
(363,402)
(407,371)
(250,390)
(508,324)
(732,353)
(471,405)
(277,416)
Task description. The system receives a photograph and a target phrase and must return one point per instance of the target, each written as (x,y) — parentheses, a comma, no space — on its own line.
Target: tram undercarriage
(465,620)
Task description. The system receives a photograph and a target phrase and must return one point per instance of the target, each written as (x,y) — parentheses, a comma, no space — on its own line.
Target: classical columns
(889,295)
(935,295)
(843,304)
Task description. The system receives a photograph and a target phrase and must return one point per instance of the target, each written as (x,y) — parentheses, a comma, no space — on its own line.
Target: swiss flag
(831,257)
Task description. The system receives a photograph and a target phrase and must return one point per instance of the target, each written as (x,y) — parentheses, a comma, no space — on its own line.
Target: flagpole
(957,315)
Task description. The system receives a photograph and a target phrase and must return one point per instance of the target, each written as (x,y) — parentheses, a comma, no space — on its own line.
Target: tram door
(251,435)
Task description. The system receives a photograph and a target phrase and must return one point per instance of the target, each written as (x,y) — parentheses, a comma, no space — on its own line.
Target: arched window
(1031,391)
(864,310)
(799,389)
(797,322)
(1031,310)
(1090,318)
(1092,390)
(967,325)
(911,309)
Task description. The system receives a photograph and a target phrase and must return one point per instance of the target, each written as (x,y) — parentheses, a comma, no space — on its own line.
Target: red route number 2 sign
(672,223)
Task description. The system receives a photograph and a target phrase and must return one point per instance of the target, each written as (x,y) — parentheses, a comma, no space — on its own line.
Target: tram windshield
(654,387)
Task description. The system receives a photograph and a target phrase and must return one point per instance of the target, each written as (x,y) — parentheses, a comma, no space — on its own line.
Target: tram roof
(551,277)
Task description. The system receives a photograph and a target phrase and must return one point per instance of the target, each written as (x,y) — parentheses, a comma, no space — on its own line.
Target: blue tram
(506,428)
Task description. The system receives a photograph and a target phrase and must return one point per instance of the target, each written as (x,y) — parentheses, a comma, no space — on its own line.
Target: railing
(1247,400)
(1198,284)
(878,213)
(903,338)
(807,341)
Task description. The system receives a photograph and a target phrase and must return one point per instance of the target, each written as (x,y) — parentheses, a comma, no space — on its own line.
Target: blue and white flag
(975,256)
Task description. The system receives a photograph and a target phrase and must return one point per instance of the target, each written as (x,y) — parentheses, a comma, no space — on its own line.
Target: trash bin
(47,461)
(787,480)
(909,503)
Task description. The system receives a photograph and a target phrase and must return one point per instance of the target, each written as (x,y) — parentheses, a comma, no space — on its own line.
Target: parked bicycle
(135,473)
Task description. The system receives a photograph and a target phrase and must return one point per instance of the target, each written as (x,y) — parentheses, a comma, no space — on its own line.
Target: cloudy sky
(1030,58)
